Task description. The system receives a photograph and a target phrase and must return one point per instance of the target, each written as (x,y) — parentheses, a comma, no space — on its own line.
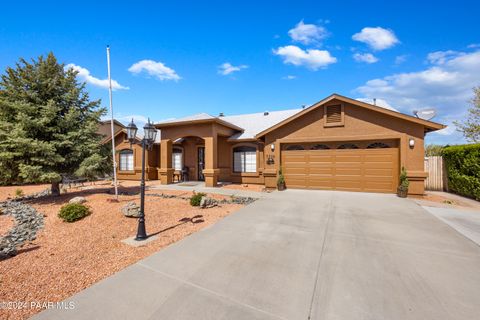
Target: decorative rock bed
(27,222)
(230,200)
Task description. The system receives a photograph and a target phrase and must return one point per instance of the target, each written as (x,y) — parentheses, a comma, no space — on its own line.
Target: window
(320,147)
(126,160)
(244,159)
(347,146)
(295,147)
(177,159)
(376,145)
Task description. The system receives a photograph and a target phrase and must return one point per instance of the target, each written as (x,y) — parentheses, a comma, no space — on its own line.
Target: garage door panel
(371,170)
(329,171)
(387,172)
(348,171)
(299,170)
(348,158)
(320,183)
(321,158)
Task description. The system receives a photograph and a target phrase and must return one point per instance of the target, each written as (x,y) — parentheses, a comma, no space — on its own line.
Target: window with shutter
(244,159)
(333,115)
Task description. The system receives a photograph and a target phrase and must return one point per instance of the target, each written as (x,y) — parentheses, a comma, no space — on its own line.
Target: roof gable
(430,125)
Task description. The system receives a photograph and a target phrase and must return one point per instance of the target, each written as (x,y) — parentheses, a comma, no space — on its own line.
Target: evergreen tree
(48,125)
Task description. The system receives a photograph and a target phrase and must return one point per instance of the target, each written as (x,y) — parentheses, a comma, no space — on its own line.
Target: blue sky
(172,59)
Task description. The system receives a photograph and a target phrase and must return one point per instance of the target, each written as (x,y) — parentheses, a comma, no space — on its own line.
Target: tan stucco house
(337,143)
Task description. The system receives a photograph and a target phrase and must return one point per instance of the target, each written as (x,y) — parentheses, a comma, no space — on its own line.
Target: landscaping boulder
(78,200)
(131,210)
(207,202)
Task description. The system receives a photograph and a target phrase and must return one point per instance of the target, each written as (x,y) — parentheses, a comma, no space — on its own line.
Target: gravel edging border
(27,222)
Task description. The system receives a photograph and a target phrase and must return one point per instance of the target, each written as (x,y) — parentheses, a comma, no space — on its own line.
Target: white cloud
(84,75)
(440,57)
(473,46)
(377,38)
(289,77)
(400,59)
(308,33)
(365,57)
(446,85)
(154,68)
(311,58)
(378,102)
(227,68)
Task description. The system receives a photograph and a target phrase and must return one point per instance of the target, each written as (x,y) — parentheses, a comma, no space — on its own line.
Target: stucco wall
(359,124)
(152,160)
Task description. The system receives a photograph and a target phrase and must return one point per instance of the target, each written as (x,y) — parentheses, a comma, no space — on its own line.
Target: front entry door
(201,163)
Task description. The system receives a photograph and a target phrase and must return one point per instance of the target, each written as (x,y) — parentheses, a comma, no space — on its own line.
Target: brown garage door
(370,170)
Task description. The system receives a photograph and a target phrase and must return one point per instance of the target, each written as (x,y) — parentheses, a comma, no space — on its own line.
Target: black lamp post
(147,141)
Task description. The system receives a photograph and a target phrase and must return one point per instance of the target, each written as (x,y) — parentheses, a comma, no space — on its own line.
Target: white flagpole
(112,124)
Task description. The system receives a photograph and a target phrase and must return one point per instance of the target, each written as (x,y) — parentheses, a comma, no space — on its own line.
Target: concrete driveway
(300,255)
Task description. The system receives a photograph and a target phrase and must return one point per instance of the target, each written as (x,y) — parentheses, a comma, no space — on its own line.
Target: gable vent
(334,114)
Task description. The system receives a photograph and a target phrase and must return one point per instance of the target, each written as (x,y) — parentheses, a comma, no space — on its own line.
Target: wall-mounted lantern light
(272,147)
(411,143)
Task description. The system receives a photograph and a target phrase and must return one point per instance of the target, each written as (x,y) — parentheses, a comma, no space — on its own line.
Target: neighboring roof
(114,121)
(429,125)
(138,137)
(254,123)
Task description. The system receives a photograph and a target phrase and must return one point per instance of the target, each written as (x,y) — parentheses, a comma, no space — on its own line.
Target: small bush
(462,164)
(73,211)
(281,178)
(196,198)
(19,193)
(404,183)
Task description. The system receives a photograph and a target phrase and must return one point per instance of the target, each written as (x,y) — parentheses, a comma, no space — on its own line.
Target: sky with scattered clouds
(175,59)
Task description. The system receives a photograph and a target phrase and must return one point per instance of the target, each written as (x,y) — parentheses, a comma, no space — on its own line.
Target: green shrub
(196,198)
(404,183)
(19,193)
(73,211)
(281,178)
(462,164)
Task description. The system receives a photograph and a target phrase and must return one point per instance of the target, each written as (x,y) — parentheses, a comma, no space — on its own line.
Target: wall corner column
(166,170)
(211,171)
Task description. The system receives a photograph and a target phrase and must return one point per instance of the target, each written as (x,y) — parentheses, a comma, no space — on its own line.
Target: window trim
(295,147)
(245,173)
(130,151)
(348,146)
(341,123)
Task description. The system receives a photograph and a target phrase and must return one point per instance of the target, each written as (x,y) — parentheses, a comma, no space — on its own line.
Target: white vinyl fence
(436,179)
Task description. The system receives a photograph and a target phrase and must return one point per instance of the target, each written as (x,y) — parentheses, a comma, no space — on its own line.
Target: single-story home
(338,143)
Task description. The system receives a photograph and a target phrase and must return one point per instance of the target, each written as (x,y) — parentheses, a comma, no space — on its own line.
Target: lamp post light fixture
(147,141)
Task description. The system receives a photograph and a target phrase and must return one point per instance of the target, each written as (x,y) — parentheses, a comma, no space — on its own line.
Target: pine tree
(48,125)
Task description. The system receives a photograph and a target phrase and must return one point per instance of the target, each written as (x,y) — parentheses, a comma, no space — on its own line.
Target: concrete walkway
(199,186)
(467,222)
(300,255)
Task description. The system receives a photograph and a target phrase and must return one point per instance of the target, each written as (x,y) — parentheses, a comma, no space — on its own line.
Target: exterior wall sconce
(270,159)
(272,147)
(411,143)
